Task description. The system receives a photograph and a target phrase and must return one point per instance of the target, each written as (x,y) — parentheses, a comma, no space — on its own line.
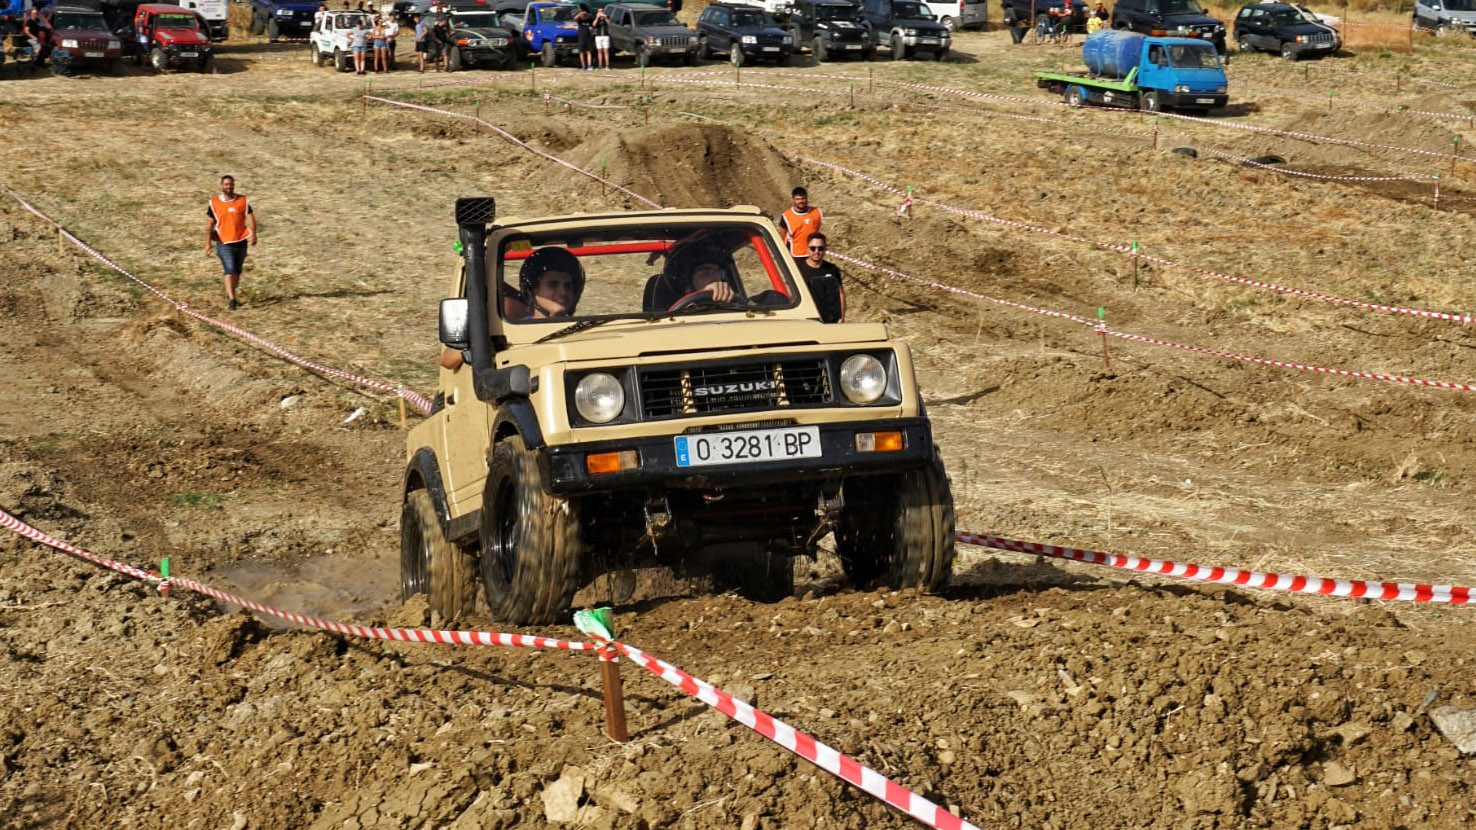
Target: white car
(330,41)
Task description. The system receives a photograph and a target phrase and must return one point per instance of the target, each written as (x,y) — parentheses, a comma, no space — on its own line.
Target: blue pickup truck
(283,18)
(548,30)
(1126,69)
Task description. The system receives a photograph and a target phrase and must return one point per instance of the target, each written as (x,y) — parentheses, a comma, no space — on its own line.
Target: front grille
(1323,37)
(698,390)
(771,40)
(679,40)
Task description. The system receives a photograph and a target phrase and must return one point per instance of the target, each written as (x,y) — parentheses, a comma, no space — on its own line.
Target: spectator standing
(422,40)
(440,36)
(359,44)
(391,31)
(602,37)
(1013,22)
(675,6)
(381,47)
(318,16)
(36,30)
(586,40)
(230,227)
(799,221)
(824,280)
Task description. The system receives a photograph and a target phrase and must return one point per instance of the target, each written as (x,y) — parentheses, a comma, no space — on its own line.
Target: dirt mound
(692,165)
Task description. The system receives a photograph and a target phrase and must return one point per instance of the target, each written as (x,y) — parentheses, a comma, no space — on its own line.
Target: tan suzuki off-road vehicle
(656,388)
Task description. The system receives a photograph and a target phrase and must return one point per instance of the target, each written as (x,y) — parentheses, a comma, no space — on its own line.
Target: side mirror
(455,323)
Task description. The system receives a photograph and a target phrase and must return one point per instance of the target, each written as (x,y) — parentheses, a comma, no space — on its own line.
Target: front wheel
(531,540)
(704,49)
(340,61)
(1152,103)
(157,60)
(735,55)
(453,59)
(642,55)
(273,31)
(690,59)
(1244,44)
(899,51)
(898,531)
(819,49)
(547,53)
(445,572)
(1288,52)
(257,27)
(205,65)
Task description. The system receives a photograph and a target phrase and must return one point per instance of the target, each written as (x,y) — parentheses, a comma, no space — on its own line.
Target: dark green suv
(1290,31)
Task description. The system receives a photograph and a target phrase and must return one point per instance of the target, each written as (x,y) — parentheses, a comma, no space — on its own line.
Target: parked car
(1446,15)
(831,28)
(1284,29)
(1179,18)
(1028,11)
(217,15)
(78,38)
(959,14)
(332,40)
(282,18)
(745,34)
(175,38)
(479,38)
(905,27)
(650,32)
(548,30)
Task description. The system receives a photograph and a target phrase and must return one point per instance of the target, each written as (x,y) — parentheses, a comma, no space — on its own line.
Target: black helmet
(677,275)
(550,259)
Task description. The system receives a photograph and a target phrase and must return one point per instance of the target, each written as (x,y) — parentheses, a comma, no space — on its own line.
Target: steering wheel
(704,296)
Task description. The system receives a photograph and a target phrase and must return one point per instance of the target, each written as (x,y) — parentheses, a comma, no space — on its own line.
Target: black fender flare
(517,415)
(423,473)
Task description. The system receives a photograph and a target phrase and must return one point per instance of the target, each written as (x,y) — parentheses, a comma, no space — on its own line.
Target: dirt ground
(1030,694)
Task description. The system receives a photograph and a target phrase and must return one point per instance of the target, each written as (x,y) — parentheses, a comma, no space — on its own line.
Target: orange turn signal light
(611,462)
(878,441)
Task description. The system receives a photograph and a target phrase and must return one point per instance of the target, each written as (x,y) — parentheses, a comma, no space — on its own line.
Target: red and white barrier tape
(1412,177)
(1154,341)
(1392,110)
(420,402)
(805,746)
(1292,583)
(1128,251)
(519,142)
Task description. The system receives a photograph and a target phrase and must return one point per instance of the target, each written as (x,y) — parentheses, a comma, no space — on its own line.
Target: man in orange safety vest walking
(231,226)
(798,222)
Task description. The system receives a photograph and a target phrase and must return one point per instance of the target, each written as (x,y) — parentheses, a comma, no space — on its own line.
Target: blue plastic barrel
(1110,53)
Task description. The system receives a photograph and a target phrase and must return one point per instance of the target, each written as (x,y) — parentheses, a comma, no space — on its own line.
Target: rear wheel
(818,48)
(445,572)
(898,531)
(1073,96)
(531,541)
(899,51)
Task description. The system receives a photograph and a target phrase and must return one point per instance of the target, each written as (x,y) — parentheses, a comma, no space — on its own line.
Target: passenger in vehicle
(552,281)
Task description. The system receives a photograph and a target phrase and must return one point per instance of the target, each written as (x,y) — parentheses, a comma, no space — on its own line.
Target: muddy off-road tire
(898,531)
(531,541)
(445,572)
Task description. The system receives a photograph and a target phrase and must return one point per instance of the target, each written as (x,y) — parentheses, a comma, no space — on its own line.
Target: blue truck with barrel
(1126,69)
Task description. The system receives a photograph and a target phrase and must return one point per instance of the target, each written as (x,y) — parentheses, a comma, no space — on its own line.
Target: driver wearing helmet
(551,281)
(704,269)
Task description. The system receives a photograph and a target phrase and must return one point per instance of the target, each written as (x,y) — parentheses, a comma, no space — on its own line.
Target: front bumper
(488,54)
(761,51)
(1315,48)
(567,473)
(926,42)
(181,54)
(83,56)
(1193,100)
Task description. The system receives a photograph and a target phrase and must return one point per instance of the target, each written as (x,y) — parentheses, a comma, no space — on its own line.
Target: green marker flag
(456,246)
(596,622)
(1101,313)
(164,567)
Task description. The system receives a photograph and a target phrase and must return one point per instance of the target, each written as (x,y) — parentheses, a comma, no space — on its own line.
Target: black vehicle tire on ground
(949,23)
(1288,52)
(899,51)
(257,26)
(868,53)
(273,31)
(549,57)
(429,564)
(1074,97)
(898,530)
(341,61)
(454,59)
(940,54)
(61,64)
(157,60)
(205,64)
(642,57)
(1244,43)
(314,55)
(531,540)
(817,48)
(115,66)
(690,58)
(1151,102)
(735,55)
(704,48)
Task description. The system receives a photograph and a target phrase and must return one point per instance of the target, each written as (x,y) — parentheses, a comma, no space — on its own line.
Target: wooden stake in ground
(614,701)
(1454,153)
(61,241)
(1102,331)
(1436,205)
(1135,265)
(402,413)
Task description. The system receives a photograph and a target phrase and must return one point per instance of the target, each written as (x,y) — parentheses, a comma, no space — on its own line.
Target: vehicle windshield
(79,22)
(1460,5)
(552,279)
(177,21)
(837,13)
(1288,17)
(662,18)
(476,20)
(557,12)
(347,21)
(1181,7)
(753,20)
(1191,55)
(910,11)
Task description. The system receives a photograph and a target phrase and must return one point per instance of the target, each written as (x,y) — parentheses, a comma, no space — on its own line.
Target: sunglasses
(817,247)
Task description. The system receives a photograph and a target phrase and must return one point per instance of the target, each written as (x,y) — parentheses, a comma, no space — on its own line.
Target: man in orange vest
(231,226)
(799,222)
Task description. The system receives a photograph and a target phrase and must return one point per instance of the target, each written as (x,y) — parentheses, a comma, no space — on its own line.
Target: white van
(216,13)
(958,14)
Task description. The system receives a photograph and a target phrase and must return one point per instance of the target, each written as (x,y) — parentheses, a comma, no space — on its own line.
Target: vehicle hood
(756,30)
(1312,29)
(84,34)
(840,25)
(298,7)
(920,25)
(480,31)
(662,339)
(664,31)
(171,37)
(1171,21)
(1458,16)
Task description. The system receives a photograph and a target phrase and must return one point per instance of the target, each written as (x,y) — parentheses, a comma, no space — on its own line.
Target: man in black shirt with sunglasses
(824,280)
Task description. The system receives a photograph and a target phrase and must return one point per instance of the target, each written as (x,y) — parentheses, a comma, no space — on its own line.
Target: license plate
(1204,100)
(1323,46)
(189,54)
(771,48)
(92,54)
(851,46)
(747,446)
(926,41)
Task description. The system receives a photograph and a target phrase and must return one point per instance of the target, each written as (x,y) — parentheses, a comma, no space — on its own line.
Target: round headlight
(599,398)
(863,379)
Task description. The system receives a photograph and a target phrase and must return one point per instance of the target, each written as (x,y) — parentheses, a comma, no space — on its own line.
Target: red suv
(78,37)
(172,38)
